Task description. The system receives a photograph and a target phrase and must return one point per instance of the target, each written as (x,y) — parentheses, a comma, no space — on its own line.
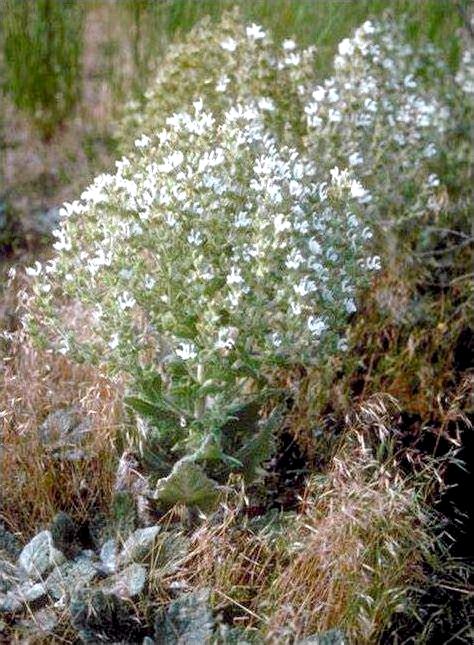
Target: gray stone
(128,583)
(70,576)
(138,545)
(39,556)
(108,556)
(10,603)
(186,621)
(30,593)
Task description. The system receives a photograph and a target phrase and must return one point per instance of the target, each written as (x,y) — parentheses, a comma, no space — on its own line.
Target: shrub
(385,112)
(211,257)
(227,64)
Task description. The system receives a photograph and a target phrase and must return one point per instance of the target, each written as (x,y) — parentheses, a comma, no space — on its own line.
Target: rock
(186,621)
(62,433)
(103,617)
(187,484)
(39,556)
(331,637)
(128,583)
(64,533)
(71,576)
(108,556)
(138,545)
(9,545)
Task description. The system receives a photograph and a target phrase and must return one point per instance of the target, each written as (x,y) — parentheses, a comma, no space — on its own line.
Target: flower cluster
(229,63)
(213,254)
(381,114)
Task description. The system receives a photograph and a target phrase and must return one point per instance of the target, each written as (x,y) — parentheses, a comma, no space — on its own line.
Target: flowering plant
(229,63)
(381,114)
(213,255)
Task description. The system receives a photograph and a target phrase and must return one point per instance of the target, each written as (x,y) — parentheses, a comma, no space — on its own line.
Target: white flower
(342,345)
(235,276)
(64,346)
(125,274)
(355,159)
(229,44)
(186,351)
(346,47)
(314,247)
(319,93)
(143,141)
(34,270)
(114,341)
(281,223)
(350,306)
(316,325)
(276,339)
(222,83)
(359,192)
(255,32)
(149,282)
(293,59)
(126,300)
(374,263)
(171,162)
(289,45)
(267,104)
(195,238)
(226,338)
(295,308)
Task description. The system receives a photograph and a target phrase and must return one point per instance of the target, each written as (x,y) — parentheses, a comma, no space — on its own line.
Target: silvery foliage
(213,254)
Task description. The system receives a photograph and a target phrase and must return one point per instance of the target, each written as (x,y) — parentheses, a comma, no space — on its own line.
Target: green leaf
(187,484)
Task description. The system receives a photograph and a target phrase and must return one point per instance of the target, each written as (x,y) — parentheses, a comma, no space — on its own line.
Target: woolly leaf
(187,484)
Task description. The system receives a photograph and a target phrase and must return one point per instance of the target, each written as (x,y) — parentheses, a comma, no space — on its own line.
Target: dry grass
(346,558)
(35,484)
(361,538)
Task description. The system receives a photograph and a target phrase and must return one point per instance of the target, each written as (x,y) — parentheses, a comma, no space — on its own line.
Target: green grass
(325,22)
